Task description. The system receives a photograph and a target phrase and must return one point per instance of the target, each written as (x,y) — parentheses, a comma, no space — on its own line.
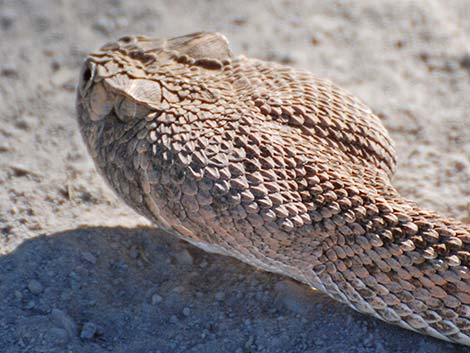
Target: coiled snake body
(278,168)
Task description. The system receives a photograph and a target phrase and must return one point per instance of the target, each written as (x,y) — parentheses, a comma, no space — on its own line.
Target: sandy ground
(80,272)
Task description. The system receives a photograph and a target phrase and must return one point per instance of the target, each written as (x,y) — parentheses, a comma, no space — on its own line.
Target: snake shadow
(143,290)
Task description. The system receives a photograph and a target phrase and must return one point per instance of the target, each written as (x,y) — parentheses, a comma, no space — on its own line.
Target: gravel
(35,287)
(220,296)
(88,331)
(186,312)
(9,70)
(88,256)
(64,321)
(156,299)
(57,336)
(183,258)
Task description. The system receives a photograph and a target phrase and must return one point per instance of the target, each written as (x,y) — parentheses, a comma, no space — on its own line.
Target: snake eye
(127,109)
(87,76)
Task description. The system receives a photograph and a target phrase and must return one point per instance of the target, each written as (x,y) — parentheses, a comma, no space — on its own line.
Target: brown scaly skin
(276,167)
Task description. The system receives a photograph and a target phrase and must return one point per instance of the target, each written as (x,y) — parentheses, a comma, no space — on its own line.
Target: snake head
(127,84)
(127,75)
(104,88)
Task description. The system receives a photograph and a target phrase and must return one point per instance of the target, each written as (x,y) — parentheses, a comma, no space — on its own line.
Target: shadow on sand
(141,290)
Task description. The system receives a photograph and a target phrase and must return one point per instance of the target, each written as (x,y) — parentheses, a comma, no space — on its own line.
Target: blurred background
(73,279)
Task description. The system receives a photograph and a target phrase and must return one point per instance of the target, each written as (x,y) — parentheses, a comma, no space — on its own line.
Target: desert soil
(81,272)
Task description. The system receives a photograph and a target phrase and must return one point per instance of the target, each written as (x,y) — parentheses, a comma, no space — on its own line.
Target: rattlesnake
(276,167)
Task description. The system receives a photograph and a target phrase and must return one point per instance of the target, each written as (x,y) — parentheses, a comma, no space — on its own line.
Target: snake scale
(276,167)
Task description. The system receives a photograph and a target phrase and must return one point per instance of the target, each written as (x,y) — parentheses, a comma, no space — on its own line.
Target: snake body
(276,167)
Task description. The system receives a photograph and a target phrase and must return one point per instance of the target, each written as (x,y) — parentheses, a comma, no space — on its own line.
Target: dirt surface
(80,272)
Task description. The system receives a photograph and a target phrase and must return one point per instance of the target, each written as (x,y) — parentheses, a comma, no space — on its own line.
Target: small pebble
(35,226)
(18,295)
(294,296)
(88,256)
(133,253)
(57,336)
(9,70)
(74,280)
(20,170)
(4,146)
(249,343)
(88,331)
(173,319)
(316,39)
(184,258)
(239,20)
(62,320)
(220,296)
(465,62)
(27,122)
(35,287)
(7,18)
(56,63)
(156,299)
(178,289)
